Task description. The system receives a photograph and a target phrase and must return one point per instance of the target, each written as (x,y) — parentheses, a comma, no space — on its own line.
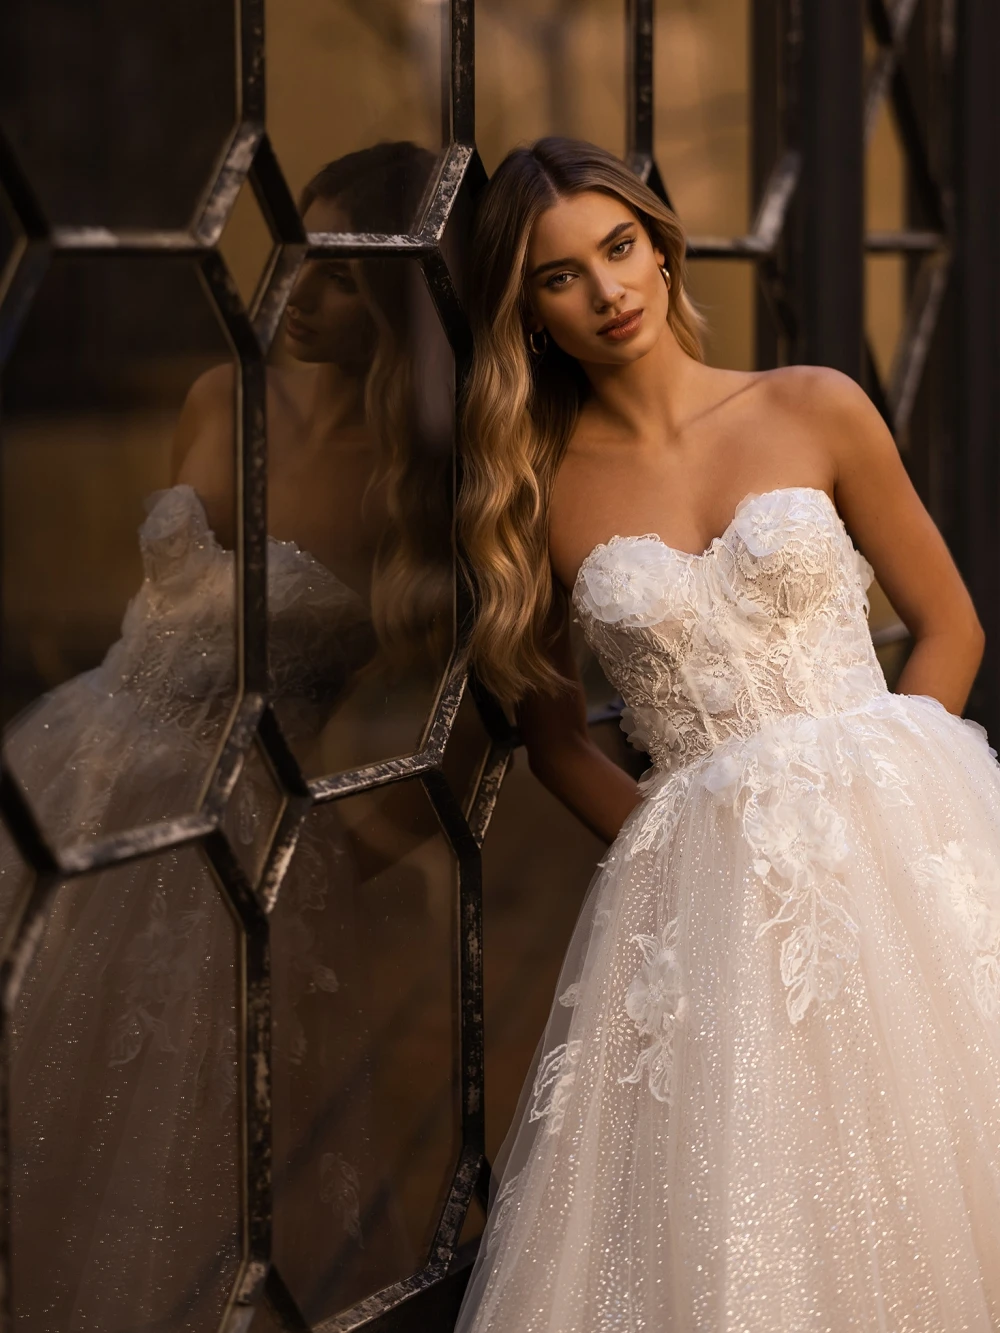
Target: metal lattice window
(269,818)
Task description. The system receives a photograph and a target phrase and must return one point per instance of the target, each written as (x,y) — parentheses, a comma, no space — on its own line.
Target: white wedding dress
(767,1099)
(126,1211)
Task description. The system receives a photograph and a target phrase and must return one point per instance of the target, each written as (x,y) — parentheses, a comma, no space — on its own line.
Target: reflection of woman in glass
(125,1104)
(768,1094)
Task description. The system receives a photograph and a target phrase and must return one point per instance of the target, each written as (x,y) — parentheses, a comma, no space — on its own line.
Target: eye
(556,279)
(620,250)
(341,277)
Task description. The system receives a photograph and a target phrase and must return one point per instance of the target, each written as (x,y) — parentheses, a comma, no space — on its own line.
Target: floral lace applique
(969,881)
(656,1004)
(769,621)
(553,1084)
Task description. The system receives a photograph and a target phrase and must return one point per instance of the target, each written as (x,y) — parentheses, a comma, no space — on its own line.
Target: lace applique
(553,1083)
(339,1186)
(769,621)
(969,881)
(503,1206)
(656,1004)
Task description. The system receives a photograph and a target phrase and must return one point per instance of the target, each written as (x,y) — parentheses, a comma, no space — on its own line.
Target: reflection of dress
(768,1095)
(125,1101)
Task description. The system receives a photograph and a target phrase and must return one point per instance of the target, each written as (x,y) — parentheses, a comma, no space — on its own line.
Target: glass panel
(366,1117)
(124,1106)
(466,751)
(702,112)
(117,113)
(361,422)
(538,860)
(344,77)
(246,243)
(549,67)
(723,290)
(118,601)
(885,275)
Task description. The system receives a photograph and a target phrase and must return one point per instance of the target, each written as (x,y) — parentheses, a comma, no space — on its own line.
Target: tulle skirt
(767,1098)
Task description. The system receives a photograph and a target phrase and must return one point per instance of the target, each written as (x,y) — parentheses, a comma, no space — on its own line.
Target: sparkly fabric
(767,1099)
(125,1094)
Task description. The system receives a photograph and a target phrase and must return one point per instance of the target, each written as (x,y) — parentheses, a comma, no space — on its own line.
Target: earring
(538,351)
(666,276)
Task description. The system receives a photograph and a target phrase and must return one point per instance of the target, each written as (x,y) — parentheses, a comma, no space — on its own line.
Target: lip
(622,326)
(296,328)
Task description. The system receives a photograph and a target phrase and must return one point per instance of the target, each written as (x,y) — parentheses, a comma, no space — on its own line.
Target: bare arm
(890,525)
(563,757)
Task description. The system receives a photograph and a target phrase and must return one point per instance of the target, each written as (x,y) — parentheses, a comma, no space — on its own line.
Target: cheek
(346,318)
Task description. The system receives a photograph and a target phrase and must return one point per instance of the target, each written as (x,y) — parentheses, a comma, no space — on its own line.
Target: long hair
(519,414)
(407,394)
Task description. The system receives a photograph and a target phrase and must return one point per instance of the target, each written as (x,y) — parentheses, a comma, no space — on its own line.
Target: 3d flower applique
(553,1084)
(656,1003)
(635,581)
(968,878)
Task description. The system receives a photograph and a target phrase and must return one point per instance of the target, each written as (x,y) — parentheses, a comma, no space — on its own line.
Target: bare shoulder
(814,390)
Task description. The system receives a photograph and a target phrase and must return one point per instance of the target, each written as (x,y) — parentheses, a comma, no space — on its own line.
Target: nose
(607,289)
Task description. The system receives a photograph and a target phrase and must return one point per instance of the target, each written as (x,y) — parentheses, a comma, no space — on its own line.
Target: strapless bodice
(771,620)
(177,651)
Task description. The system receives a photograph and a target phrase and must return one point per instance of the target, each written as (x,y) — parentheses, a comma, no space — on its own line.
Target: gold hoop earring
(666,275)
(538,351)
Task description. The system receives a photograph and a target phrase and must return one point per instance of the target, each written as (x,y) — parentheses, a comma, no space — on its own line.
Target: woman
(768,1094)
(125,1101)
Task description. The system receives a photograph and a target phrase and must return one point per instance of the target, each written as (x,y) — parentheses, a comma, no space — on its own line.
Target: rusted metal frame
(459,167)
(212,211)
(439,282)
(487,788)
(26,265)
(922,313)
(905,242)
(297,801)
(829,272)
(255,1072)
(444,1246)
(466,850)
(282,1304)
(382,1303)
(288,253)
(462,59)
(890,31)
(366,245)
(639,86)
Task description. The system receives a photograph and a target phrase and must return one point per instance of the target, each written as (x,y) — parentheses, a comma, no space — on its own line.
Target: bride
(768,1094)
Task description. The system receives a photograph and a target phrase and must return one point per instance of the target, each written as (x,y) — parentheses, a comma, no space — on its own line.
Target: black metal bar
(639,84)
(975,364)
(463,71)
(830,267)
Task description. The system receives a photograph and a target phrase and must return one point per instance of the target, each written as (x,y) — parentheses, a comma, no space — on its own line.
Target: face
(327,318)
(590,262)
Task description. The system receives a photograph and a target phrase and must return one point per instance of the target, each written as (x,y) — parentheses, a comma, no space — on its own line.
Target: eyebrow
(562,263)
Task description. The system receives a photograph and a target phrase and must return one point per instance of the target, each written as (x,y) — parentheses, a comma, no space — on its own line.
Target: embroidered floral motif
(655,1002)
(553,1084)
(969,881)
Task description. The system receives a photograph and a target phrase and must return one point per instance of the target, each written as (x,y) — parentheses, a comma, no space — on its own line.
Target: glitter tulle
(767,1099)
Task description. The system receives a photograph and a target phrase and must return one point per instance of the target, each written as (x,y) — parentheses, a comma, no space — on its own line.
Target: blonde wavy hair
(519,412)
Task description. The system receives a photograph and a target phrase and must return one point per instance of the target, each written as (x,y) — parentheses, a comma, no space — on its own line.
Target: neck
(651,398)
(338,398)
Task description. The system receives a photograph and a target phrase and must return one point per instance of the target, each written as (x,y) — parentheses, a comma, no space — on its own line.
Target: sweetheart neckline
(713,544)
